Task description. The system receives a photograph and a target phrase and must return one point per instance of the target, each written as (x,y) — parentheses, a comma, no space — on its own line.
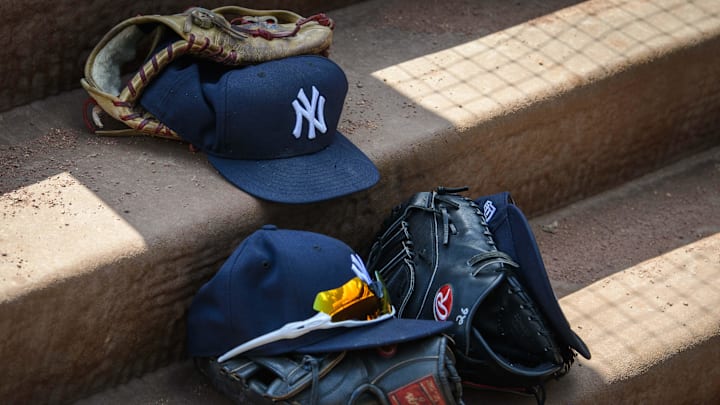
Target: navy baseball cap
(513,235)
(270,283)
(270,129)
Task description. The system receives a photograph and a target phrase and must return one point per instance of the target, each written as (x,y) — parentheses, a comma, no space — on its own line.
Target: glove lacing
(448,228)
(438,204)
(311,363)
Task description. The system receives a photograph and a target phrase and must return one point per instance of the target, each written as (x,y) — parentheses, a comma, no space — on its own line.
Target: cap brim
(536,279)
(338,170)
(388,332)
(510,230)
(392,331)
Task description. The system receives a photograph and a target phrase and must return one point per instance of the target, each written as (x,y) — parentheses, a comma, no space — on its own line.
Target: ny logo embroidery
(309,110)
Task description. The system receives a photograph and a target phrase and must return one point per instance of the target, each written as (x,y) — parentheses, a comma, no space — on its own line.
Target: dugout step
(105,240)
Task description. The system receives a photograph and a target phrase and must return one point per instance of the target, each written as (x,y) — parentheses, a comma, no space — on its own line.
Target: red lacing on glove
(320,18)
(89,104)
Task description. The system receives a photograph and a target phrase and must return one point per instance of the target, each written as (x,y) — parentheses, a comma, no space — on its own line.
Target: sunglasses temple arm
(288,331)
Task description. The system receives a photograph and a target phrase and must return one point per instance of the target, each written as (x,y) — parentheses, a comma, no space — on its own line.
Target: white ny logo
(308,110)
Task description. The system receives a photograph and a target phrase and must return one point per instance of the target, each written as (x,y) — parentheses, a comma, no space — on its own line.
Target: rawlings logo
(443,303)
(422,391)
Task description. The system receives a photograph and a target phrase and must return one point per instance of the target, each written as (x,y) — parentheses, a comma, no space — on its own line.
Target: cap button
(269,227)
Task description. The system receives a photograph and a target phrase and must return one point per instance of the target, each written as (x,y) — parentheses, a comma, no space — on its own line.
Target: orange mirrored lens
(353,300)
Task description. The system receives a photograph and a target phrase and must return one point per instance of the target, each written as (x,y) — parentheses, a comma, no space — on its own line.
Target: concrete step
(637,270)
(105,240)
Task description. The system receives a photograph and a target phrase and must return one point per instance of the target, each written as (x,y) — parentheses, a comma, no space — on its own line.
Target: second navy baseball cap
(264,298)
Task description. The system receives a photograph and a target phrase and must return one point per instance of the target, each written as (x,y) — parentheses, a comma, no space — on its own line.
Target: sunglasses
(356,299)
(359,302)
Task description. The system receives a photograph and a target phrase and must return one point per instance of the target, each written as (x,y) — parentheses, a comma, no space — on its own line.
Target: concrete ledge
(649,325)
(104,241)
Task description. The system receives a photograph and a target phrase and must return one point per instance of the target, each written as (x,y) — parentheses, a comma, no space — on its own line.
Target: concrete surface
(650,320)
(105,240)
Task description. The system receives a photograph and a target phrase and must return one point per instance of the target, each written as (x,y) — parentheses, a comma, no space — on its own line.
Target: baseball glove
(440,261)
(421,371)
(230,35)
